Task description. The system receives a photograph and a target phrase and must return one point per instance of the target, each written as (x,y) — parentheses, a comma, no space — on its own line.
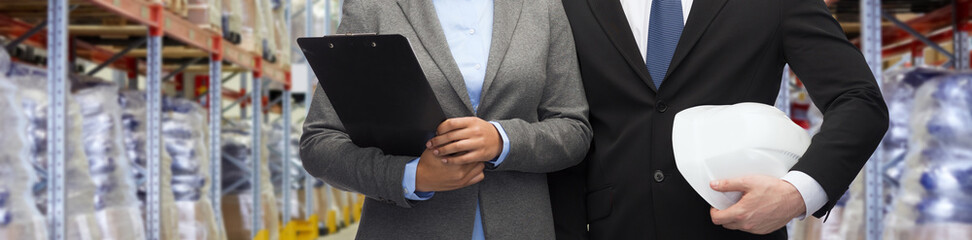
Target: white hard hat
(731,141)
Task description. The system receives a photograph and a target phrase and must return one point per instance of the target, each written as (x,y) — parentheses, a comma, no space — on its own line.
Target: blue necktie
(664,30)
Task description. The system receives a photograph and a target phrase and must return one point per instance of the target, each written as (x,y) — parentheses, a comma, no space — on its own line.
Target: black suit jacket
(730,51)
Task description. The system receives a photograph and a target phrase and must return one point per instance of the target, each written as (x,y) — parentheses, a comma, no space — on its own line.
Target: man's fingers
(730,185)
(727,217)
(478,178)
(472,173)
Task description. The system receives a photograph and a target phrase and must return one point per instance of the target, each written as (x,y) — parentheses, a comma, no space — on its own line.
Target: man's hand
(767,204)
(466,140)
(432,175)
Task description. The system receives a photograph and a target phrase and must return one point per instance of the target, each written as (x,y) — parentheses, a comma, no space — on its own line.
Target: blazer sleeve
(561,138)
(841,84)
(328,153)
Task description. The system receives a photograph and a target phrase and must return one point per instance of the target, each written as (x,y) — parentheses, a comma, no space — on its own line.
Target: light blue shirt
(468,27)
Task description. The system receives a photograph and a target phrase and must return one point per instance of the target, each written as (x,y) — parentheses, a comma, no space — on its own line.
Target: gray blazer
(532,88)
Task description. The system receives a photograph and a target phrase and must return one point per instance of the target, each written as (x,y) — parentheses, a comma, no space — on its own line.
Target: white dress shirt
(638,13)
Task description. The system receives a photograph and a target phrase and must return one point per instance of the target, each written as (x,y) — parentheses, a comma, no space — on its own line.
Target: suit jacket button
(659,176)
(661,107)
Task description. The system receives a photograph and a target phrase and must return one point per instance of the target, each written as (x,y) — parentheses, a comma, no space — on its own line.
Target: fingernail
(436,152)
(445,160)
(715,183)
(428,144)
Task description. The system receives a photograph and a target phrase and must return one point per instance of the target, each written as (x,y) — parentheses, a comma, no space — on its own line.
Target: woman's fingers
(452,124)
(456,149)
(445,139)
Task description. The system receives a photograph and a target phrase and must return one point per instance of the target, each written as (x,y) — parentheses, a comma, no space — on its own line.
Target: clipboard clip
(360,34)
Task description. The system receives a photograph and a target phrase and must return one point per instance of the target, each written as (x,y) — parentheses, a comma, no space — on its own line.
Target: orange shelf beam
(180,29)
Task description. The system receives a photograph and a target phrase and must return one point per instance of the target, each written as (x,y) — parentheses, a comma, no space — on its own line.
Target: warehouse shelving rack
(158,27)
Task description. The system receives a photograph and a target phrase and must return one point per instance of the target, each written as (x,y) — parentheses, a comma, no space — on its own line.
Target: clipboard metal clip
(360,34)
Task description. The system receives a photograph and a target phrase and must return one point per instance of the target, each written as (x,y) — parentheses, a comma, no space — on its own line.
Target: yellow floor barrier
(307,230)
(358,206)
(300,229)
(262,235)
(331,221)
(289,232)
(357,211)
(347,215)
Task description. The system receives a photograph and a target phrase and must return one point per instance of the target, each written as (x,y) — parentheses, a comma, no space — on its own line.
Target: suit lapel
(422,17)
(701,16)
(612,19)
(506,14)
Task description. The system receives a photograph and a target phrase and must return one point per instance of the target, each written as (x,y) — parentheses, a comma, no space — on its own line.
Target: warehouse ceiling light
(731,141)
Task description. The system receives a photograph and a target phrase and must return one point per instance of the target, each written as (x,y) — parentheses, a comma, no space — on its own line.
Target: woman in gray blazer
(505,73)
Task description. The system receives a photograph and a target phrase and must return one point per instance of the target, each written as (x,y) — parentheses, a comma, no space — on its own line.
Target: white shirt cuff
(814,196)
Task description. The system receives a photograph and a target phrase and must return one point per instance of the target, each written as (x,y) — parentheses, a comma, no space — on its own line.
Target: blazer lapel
(701,16)
(422,17)
(612,19)
(506,14)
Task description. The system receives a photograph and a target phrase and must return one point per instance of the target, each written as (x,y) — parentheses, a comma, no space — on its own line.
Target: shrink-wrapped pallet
(133,122)
(899,93)
(80,222)
(237,204)
(935,198)
(251,31)
(266,29)
(184,136)
(296,172)
(281,37)
(116,206)
(326,205)
(19,218)
(231,20)
(178,7)
(207,14)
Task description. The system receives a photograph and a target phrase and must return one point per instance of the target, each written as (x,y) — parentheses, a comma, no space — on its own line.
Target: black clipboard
(377,89)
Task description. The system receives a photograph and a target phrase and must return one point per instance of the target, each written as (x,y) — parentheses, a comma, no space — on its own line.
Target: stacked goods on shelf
(935,197)
(237,202)
(851,219)
(31,84)
(344,202)
(899,91)
(327,209)
(281,47)
(817,229)
(268,31)
(272,214)
(19,219)
(179,7)
(302,203)
(275,152)
(185,142)
(133,120)
(116,206)
(232,23)
(254,25)
(207,14)
(899,87)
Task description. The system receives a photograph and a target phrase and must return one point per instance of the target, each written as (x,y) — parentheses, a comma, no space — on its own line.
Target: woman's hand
(433,175)
(466,140)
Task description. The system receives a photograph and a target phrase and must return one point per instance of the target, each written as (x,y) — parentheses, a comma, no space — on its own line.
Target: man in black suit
(707,52)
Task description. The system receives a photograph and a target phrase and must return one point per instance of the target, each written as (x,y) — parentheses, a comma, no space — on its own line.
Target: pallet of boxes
(178,7)
(237,203)
(207,14)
